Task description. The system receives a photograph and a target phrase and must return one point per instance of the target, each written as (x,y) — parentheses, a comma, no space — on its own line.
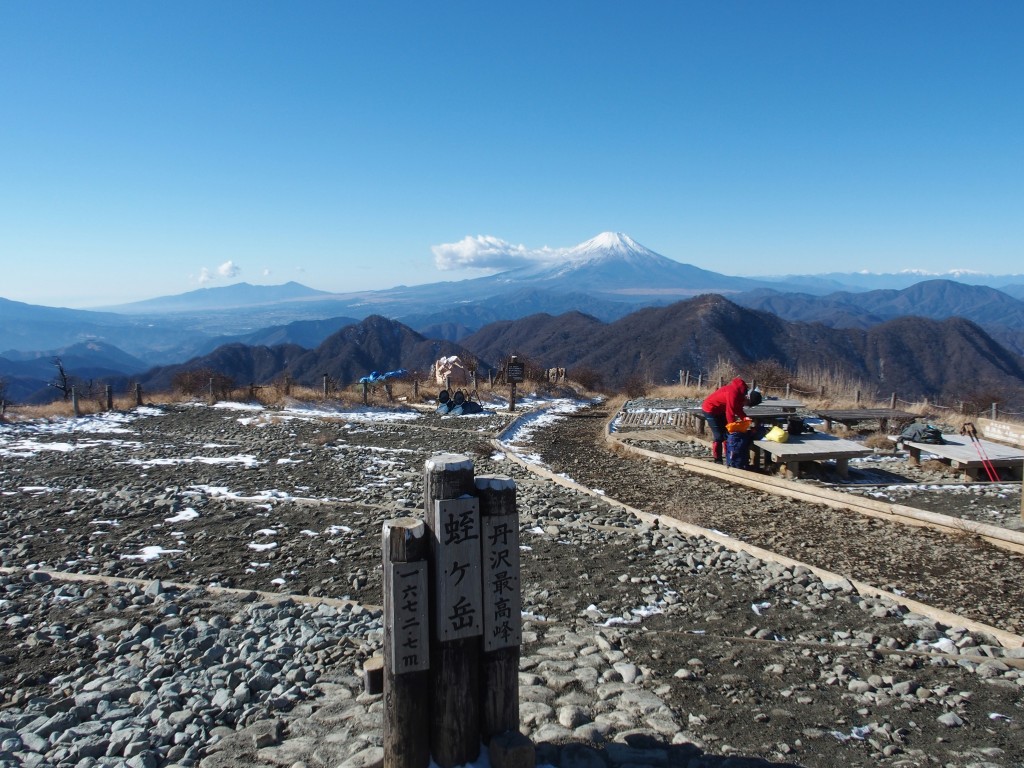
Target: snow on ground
(385,466)
(517,439)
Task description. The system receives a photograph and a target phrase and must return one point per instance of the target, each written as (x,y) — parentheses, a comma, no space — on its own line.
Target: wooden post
(109,392)
(452,515)
(700,380)
(856,397)
(721,382)
(995,411)
(74,402)
(366,388)
(680,375)
(502,620)
(512,397)
(325,386)
(821,391)
(287,385)
(406,644)
(416,388)
(787,390)
(687,378)
(138,393)
(212,398)
(892,401)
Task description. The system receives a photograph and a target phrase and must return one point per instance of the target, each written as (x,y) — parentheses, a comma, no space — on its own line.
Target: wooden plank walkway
(639,419)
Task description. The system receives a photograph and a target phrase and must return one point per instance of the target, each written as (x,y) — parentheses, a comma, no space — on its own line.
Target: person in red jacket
(723,405)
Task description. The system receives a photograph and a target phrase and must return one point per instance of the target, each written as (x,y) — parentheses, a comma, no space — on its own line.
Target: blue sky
(148,149)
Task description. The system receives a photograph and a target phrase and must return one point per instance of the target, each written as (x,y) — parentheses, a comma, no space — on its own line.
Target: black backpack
(923,433)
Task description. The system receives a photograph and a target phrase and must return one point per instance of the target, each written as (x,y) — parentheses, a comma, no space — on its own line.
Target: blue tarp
(375,377)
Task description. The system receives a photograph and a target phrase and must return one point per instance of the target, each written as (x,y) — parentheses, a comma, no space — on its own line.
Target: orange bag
(738,426)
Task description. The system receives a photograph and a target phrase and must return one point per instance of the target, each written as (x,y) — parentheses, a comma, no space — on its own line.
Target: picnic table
(810,446)
(959,452)
(850,417)
(759,414)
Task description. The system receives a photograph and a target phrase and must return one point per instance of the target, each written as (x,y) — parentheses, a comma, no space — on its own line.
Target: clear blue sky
(150,148)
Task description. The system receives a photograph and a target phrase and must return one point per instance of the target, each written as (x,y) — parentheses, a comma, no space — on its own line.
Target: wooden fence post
(325,386)
(109,392)
(406,739)
(721,382)
(366,388)
(74,402)
(787,390)
(892,401)
(995,411)
(856,397)
(821,391)
(453,517)
(212,398)
(138,393)
(700,380)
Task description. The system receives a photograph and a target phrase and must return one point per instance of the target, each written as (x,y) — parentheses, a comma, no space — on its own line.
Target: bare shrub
(587,378)
(199,382)
(636,386)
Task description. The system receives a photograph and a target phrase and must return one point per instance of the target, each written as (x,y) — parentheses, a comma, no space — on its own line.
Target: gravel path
(642,646)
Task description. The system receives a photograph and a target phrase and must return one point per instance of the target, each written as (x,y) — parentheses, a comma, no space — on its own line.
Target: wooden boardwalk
(653,419)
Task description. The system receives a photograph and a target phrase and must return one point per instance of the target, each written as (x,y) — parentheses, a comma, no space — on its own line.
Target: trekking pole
(990,470)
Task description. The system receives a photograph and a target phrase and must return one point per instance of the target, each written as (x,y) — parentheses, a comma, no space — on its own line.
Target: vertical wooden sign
(503,620)
(410,648)
(458,605)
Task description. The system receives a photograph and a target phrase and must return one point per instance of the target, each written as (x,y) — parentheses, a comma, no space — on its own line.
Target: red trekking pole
(990,470)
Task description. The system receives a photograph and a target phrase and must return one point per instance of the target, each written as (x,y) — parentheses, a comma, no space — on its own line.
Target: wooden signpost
(453,623)
(515,372)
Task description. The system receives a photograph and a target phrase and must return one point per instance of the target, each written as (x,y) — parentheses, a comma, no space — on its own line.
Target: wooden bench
(850,417)
(813,446)
(959,452)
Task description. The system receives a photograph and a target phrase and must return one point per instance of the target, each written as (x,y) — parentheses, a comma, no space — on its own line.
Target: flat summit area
(225,575)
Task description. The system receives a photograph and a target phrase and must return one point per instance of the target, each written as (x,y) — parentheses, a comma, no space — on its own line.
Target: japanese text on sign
(503,621)
(410,647)
(458,605)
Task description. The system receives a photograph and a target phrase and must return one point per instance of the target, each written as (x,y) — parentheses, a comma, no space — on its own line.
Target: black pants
(718,434)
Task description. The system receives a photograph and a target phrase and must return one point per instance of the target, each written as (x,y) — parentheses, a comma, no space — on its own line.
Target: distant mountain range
(910,355)
(609,278)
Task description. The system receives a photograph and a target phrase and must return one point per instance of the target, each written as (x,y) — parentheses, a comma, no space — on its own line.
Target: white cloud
(488,252)
(226,270)
(229,269)
(267,272)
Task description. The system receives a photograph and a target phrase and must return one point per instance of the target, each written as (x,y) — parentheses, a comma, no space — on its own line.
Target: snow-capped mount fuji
(615,265)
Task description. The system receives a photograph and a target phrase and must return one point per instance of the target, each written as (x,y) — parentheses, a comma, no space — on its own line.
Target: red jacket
(728,400)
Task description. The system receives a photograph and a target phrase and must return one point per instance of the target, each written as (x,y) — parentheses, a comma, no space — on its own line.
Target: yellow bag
(777,434)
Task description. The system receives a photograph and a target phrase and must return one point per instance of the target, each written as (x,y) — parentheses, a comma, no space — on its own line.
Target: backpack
(923,433)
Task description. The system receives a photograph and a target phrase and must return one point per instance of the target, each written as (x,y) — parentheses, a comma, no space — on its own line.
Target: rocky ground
(641,646)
